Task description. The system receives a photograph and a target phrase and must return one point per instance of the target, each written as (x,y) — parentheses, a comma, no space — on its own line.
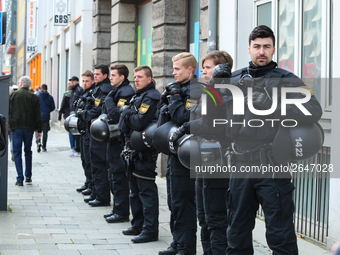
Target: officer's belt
(247,156)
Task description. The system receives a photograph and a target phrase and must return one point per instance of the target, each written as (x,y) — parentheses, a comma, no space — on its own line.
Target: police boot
(168,251)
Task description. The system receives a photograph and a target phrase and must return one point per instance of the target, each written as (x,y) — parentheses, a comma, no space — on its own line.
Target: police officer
(252,147)
(143,189)
(83,128)
(118,97)
(77,91)
(184,95)
(210,191)
(101,188)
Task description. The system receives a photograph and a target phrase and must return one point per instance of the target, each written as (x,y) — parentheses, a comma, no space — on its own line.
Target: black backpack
(3,134)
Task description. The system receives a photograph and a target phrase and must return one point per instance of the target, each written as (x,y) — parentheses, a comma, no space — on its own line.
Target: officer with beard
(141,171)
(101,188)
(253,147)
(117,98)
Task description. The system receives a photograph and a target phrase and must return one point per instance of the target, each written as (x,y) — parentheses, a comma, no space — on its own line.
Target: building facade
(151,32)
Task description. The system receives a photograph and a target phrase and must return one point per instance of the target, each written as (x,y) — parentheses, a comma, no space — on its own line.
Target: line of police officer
(180,110)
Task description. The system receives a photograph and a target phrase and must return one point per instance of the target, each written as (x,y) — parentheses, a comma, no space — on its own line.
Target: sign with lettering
(60,15)
(31,45)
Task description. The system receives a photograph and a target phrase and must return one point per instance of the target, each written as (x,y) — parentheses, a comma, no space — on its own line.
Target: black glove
(80,114)
(164,95)
(173,88)
(123,108)
(76,102)
(220,71)
(178,133)
(81,104)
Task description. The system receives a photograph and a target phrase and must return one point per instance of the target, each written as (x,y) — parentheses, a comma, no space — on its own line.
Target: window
(286,35)
(194,32)
(144,34)
(264,14)
(331,57)
(311,45)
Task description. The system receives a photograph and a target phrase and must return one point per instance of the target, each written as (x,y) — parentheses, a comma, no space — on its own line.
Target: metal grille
(311,197)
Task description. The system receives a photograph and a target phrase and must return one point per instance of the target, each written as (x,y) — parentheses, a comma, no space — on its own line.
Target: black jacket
(267,77)
(65,105)
(141,112)
(117,98)
(46,104)
(94,103)
(24,111)
(77,91)
(182,107)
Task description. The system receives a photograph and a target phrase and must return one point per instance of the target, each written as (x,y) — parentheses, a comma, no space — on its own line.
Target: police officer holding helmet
(84,129)
(184,97)
(118,97)
(141,165)
(211,191)
(252,147)
(101,188)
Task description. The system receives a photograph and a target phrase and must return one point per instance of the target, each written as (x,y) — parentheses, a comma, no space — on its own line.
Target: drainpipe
(212,25)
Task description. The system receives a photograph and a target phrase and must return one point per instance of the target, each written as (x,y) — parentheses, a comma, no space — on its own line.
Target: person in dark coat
(46,107)
(24,119)
(65,111)
(77,91)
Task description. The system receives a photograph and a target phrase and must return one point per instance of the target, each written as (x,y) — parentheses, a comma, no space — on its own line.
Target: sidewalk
(50,217)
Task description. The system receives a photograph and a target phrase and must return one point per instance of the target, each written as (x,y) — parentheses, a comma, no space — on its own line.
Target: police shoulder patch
(309,89)
(97,101)
(190,103)
(144,108)
(121,102)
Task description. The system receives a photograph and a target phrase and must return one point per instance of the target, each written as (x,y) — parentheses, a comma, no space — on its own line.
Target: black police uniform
(210,192)
(85,141)
(143,189)
(182,187)
(77,91)
(119,184)
(101,187)
(252,148)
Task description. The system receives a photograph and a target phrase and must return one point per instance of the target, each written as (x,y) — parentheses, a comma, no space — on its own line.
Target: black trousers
(119,184)
(101,190)
(205,233)
(214,194)
(85,158)
(168,191)
(182,189)
(275,197)
(46,127)
(144,202)
(77,143)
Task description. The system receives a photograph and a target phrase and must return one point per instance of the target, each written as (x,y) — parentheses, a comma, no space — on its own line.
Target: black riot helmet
(297,143)
(161,137)
(70,124)
(101,129)
(142,140)
(197,151)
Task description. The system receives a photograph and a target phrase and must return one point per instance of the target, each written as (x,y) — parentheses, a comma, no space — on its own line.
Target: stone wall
(123,34)
(101,31)
(168,39)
